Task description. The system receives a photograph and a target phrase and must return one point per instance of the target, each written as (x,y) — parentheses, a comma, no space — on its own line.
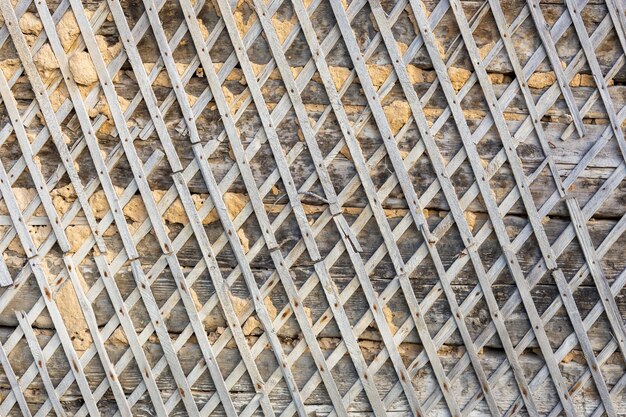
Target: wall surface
(324,207)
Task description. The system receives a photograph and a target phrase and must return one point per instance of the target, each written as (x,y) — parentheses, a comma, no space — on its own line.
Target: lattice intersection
(286,208)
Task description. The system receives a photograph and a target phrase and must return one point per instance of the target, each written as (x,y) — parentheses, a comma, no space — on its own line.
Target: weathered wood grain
(266,158)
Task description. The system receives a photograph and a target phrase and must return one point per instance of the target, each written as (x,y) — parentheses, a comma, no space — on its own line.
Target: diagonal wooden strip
(329,191)
(595,268)
(261,215)
(345,190)
(488,197)
(73,359)
(106,84)
(329,287)
(535,221)
(16,389)
(113,324)
(405,182)
(370,191)
(142,78)
(33,169)
(88,130)
(52,124)
(548,253)
(467,237)
(127,325)
(40,360)
(233,239)
(592,60)
(553,56)
(148,200)
(103,356)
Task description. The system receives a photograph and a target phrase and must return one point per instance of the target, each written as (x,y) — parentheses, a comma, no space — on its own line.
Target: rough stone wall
(183,288)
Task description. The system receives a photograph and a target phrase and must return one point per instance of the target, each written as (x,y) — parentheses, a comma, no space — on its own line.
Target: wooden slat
(312,225)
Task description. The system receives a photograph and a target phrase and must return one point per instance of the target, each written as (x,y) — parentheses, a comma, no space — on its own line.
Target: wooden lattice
(326,207)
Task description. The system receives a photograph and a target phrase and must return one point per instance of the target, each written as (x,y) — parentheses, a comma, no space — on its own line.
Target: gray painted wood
(370,207)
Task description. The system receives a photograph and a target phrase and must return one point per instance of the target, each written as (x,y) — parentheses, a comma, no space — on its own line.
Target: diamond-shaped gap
(591,20)
(370,340)
(611,194)
(513,105)
(575,369)
(424,278)
(127,286)
(283,21)
(339,162)
(291,141)
(395,308)
(593,178)
(11,151)
(610,259)
(28,201)
(544,403)
(529,253)
(323,21)
(424,380)
(228,356)
(543,292)
(556,321)
(288,233)
(506,389)
(431,197)
(371,240)
(516,322)
(306,375)
(162,287)
(14,256)
(446,135)
(329,240)
(450,245)
(57,365)
(466,387)
(489,249)
(411,240)
(612,368)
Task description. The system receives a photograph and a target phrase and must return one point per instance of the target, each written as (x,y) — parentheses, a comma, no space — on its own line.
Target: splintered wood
(318,207)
